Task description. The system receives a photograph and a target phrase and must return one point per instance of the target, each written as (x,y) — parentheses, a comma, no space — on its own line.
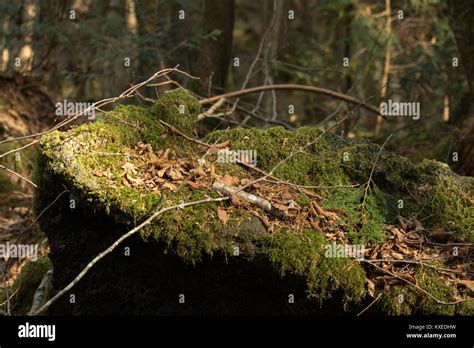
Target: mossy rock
(190,247)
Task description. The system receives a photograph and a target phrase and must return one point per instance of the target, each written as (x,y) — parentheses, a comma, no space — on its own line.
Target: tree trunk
(215,53)
(461,19)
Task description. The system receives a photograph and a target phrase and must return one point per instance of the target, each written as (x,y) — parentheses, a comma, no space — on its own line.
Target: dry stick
(313,186)
(211,110)
(420,262)
(187,137)
(116,243)
(12,295)
(18,175)
(366,190)
(414,285)
(370,305)
(291,86)
(249,197)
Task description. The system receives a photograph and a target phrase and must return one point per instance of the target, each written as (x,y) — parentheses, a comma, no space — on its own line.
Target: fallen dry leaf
(169,185)
(222,215)
(229,180)
(235,199)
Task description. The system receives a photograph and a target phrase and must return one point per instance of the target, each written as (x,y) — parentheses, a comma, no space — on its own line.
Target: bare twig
(424,264)
(187,137)
(44,210)
(211,110)
(370,305)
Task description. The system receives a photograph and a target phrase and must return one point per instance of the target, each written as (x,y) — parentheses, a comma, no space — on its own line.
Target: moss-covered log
(191,252)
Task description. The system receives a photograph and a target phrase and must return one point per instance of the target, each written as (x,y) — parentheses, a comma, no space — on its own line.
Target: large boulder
(231,256)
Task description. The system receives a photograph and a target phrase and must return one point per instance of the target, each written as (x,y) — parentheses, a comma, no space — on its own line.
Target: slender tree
(215,51)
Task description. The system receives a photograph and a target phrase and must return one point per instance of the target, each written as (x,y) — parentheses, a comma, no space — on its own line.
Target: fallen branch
(290,86)
(251,198)
(211,110)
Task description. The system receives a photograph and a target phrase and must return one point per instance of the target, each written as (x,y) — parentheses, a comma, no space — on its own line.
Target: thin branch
(18,175)
(44,210)
(290,86)
(370,305)
(40,293)
(126,94)
(187,137)
(421,263)
(117,243)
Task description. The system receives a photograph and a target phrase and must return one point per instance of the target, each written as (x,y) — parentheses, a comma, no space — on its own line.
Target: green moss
(406,300)
(466,308)
(189,233)
(424,188)
(303,254)
(303,200)
(178,108)
(317,166)
(363,223)
(443,200)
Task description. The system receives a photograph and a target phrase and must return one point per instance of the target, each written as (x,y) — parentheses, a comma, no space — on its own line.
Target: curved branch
(290,86)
